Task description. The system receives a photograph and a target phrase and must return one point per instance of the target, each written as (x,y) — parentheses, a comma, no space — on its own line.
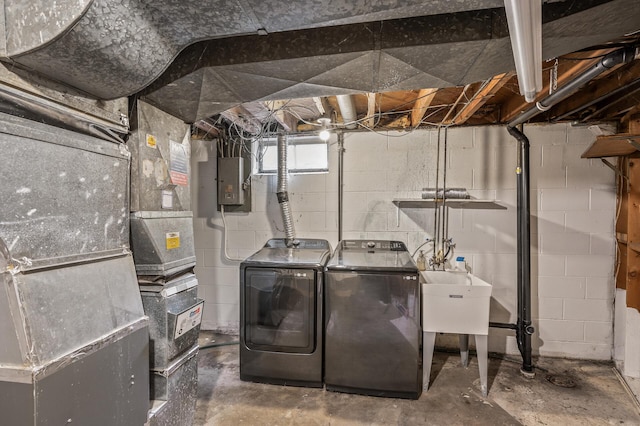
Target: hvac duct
(283,195)
(348,111)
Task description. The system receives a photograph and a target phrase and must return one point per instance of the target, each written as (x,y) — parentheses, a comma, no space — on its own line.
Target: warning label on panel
(173,240)
(188,320)
(179,164)
(151,141)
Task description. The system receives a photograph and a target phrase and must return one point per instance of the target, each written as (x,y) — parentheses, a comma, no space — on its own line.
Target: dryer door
(280,309)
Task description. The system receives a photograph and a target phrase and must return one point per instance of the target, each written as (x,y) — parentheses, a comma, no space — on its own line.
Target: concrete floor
(454,398)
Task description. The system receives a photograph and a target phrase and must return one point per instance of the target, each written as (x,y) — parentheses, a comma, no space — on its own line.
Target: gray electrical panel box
(230,180)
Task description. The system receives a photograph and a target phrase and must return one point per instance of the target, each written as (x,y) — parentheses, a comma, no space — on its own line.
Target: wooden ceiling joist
(481,97)
(371,110)
(599,90)
(516,105)
(448,119)
(425,97)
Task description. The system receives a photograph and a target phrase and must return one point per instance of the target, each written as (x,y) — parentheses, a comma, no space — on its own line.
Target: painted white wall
(572,203)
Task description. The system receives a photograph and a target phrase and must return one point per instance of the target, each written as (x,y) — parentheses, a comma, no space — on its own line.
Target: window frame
(262,144)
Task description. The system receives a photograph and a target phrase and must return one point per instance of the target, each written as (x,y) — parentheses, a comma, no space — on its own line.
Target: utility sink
(455,302)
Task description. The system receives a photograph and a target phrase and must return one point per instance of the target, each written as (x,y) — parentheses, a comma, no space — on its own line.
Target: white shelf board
(414,203)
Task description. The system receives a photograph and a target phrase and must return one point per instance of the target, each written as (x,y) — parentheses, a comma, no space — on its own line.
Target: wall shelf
(417,203)
(613,146)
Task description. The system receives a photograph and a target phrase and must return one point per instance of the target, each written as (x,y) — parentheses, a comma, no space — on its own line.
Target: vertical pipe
(340,181)
(283,195)
(527,329)
(524,328)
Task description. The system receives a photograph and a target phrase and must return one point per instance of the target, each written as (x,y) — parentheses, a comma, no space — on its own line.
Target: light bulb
(324,135)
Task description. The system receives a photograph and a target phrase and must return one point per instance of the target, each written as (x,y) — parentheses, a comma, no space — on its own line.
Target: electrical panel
(231,181)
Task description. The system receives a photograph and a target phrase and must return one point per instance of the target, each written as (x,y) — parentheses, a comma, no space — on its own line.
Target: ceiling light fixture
(525,30)
(324,134)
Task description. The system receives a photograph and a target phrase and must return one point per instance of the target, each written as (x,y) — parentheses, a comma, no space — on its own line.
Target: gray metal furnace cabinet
(74,345)
(175,314)
(160,168)
(175,391)
(74,339)
(65,196)
(162,243)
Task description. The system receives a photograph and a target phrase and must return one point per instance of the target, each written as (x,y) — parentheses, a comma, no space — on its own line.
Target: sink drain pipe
(523,327)
(340,181)
(282,192)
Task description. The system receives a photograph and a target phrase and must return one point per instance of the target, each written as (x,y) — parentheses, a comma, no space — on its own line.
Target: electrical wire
(224,236)
(217,345)
(420,246)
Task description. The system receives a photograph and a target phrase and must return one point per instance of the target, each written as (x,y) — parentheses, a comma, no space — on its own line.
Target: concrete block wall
(573,208)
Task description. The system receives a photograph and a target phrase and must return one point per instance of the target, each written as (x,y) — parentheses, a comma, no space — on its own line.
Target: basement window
(305,154)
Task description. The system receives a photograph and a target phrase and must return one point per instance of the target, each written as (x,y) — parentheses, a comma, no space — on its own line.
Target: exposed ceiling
(406,63)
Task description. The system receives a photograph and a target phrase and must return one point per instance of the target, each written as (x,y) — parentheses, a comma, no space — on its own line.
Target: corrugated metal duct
(110,49)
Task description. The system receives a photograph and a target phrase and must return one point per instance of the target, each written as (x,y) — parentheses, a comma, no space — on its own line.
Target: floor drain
(562,381)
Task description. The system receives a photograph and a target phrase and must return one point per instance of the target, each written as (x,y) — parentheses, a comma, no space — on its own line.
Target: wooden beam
(621,223)
(598,89)
(481,97)
(425,97)
(633,235)
(632,120)
(516,104)
(463,93)
(371,110)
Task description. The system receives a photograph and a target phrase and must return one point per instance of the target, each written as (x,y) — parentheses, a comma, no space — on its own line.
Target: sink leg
(464,349)
(429,343)
(481,349)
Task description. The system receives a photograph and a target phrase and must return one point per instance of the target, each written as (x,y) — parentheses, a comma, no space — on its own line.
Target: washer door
(280,309)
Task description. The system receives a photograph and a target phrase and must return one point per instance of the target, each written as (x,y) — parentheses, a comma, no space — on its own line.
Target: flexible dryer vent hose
(283,195)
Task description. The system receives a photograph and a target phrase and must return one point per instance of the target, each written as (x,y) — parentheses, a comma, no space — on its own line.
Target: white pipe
(348,111)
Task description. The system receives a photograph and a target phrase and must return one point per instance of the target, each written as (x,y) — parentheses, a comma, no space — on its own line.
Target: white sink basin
(455,302)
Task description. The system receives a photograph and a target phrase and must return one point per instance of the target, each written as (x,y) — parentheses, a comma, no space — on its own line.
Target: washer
(281,313)
(373,333)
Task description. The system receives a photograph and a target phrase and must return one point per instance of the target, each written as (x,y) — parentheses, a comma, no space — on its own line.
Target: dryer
(281,327)
(373,334)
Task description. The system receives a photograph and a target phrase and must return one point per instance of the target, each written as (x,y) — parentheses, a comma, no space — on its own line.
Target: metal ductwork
(197,59)
(283,194)
(348,111)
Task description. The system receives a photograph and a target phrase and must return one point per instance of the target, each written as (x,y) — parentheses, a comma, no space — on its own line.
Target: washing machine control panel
(374,245)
